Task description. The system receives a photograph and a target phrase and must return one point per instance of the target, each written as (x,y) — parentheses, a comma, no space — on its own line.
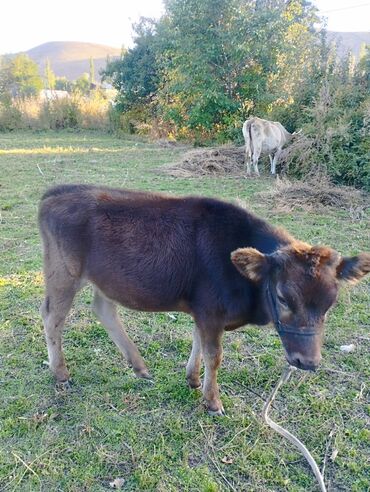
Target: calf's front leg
(106,312)
(212,355)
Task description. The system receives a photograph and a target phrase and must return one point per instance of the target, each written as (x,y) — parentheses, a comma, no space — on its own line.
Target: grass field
(157,436)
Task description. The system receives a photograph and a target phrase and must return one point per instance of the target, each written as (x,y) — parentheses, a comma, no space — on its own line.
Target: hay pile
(224,161)
(315,193)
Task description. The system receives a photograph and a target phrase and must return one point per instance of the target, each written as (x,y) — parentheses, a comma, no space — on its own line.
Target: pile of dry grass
(315,193)
(301,155)
(225,161)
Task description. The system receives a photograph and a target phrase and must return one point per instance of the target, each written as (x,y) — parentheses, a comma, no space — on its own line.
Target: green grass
(157,436)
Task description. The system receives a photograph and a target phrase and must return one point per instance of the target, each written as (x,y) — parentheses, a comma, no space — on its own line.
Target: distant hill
(71,59)
(349,41)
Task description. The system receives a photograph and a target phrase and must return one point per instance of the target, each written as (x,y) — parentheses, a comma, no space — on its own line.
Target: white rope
(284,378)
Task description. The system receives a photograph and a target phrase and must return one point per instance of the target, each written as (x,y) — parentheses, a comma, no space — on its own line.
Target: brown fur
(154,252)
(250,262)
(352,270)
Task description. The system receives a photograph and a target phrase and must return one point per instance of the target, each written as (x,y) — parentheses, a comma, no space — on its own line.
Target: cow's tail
(247,133)
(250,137)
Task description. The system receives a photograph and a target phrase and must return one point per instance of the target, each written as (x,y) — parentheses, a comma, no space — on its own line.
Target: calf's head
(300,283)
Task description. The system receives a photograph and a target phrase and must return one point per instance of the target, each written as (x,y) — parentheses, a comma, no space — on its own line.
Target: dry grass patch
(301,155)
(224,161)
(315,193)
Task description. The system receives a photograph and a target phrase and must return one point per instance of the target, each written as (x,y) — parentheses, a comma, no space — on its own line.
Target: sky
(345,15)
(28,23)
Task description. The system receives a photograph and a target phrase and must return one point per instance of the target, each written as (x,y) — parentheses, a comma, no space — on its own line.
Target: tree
(363,71)
(82,84)
(207,64)
(6,80)
(49,76)
(227,58)
(20,76)
(135,75)
(92,71)
(63,84)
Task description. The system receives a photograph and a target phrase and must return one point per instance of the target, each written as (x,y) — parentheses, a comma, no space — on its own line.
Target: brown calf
(211,259)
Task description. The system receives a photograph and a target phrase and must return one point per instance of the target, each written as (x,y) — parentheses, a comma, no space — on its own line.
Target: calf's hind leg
(193,365)
(106,312)
(60,291)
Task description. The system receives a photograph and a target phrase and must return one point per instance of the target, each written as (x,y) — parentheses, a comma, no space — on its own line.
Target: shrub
(59,113)
(73,112)
(335,138)
(136,120)
(10,116)
(29,109)
(93,111)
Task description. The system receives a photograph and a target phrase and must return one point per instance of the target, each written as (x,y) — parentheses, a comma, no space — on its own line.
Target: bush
(93,111)
(335,138)
(59,113)
(136,120)
(10,116)
(71,112)
(29,109)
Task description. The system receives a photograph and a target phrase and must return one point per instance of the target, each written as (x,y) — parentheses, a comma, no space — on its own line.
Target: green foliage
(10,116)
(336,124)
(82,84)
(19,76)
(50,78)
(63,84)
(206,65)
(135,74)
(135,118)
(60,113)
(92,71)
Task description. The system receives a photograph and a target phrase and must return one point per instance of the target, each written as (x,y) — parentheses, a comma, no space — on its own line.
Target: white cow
(264,137)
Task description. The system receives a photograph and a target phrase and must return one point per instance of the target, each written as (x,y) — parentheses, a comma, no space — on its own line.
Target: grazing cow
(208,258)
(264,137)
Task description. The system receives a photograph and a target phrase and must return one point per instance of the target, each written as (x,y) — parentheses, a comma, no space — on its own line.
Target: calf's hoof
(142,373)
(64,385)
(217,413)
(215,409)
(194,383)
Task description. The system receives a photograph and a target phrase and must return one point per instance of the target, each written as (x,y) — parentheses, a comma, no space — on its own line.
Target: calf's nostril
(297,362)
(307,365)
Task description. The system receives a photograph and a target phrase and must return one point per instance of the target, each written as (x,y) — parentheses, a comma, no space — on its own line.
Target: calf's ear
(250,262)
(352,269)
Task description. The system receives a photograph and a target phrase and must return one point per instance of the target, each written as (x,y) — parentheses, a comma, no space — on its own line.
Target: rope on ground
(283,379)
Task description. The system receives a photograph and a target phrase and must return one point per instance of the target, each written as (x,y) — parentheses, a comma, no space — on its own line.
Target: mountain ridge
(71,59)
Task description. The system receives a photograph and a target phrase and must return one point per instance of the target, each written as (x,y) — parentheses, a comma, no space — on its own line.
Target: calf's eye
(283,302)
